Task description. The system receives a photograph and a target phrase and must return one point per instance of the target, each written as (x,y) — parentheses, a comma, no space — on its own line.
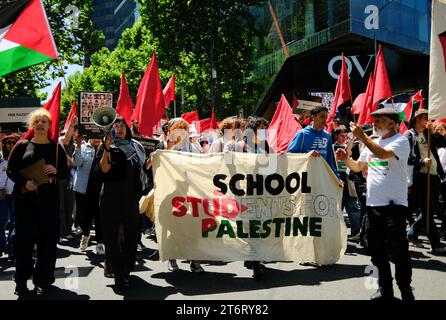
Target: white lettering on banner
(15,115)
(348,61)
(236,213)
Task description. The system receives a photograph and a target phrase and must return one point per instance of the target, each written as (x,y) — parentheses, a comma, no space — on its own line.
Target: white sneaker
(196,267)
(84,242)
(172,265)
(356,237)
(100,249)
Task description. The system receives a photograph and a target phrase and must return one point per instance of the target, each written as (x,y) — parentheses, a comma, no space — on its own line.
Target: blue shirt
(310,139)
(83,159)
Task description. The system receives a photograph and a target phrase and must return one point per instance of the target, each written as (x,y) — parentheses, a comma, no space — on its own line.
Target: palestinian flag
(25,35)
(405,104)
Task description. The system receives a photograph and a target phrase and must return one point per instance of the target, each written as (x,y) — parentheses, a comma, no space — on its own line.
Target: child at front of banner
(178,139)
(387,205)
(121,160)
(255,142)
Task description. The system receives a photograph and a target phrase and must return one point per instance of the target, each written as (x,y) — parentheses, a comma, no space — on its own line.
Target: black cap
(387,112)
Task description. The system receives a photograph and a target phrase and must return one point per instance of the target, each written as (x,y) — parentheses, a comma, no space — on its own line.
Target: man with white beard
(386,159)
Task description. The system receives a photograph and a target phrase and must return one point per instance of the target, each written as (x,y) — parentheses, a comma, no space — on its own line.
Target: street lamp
(381,9)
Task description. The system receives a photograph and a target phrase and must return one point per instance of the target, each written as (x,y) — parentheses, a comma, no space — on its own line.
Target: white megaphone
(104,117)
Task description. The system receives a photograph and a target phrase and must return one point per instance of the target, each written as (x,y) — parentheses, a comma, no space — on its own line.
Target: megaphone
(104,117)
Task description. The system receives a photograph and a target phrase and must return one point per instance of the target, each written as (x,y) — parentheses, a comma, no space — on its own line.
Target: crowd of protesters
(95,184)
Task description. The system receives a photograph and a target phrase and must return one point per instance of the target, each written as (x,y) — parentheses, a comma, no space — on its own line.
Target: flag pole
(428,181)
(174,108)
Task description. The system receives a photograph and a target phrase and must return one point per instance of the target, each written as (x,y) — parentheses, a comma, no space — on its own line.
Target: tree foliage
(182,33)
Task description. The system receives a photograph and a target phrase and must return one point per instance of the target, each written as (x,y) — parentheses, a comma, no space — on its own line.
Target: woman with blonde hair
(36,206)
(178,139)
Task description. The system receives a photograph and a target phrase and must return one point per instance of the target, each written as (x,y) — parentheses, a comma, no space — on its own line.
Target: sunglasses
(12,142)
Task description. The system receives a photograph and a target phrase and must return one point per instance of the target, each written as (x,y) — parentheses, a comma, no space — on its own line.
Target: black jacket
(437,141)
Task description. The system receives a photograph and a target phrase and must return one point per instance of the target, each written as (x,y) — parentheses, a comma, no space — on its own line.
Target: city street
(347,280)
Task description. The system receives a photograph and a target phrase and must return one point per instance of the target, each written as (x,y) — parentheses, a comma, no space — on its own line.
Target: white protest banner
(209,208)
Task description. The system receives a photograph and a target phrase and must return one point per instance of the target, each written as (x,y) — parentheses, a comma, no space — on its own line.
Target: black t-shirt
(123,176)
(25,153)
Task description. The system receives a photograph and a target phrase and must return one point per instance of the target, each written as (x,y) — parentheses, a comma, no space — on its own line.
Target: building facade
(113,17)
(317,32)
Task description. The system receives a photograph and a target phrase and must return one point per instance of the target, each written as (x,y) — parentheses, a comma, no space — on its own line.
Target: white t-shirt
(387,179)
(442,157)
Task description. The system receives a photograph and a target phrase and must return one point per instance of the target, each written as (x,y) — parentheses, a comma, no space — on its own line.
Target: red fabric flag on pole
(150,105)
(283,127)
(343,92)
(191,117)
(364,113)
(419,98)
(204,125)
(358,103)
(213,120)
(403,128)
(137,111)
(295,103)
(169,91)
(124,106)
(53,106)
(71,114)
(381,89)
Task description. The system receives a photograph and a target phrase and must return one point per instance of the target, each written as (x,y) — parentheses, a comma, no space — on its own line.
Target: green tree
(202,33)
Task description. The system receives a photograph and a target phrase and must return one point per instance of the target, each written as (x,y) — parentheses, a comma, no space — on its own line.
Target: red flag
(364,113)
(191,117)
(419,98)
(71,114)
(53,106)
(442,38)
(213,120)
(403,128)
(137,111)
(150,105)
(343,92)
(169,91)
(204,125)
(295,103)
(124,106)
(358,103)
(283,127)
(381,89)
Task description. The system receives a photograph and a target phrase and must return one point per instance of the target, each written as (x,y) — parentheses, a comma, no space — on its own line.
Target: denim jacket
(83,160)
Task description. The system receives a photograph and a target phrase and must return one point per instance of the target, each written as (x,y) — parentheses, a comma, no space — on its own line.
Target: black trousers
(87,206)
(120,224)
(386,230)
(420,201)
(37,222)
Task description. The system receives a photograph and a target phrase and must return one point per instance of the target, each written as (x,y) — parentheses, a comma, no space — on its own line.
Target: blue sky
(72,69)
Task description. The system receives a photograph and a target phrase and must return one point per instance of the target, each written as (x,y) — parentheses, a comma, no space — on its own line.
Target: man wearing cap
(386,158)
(424,164)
